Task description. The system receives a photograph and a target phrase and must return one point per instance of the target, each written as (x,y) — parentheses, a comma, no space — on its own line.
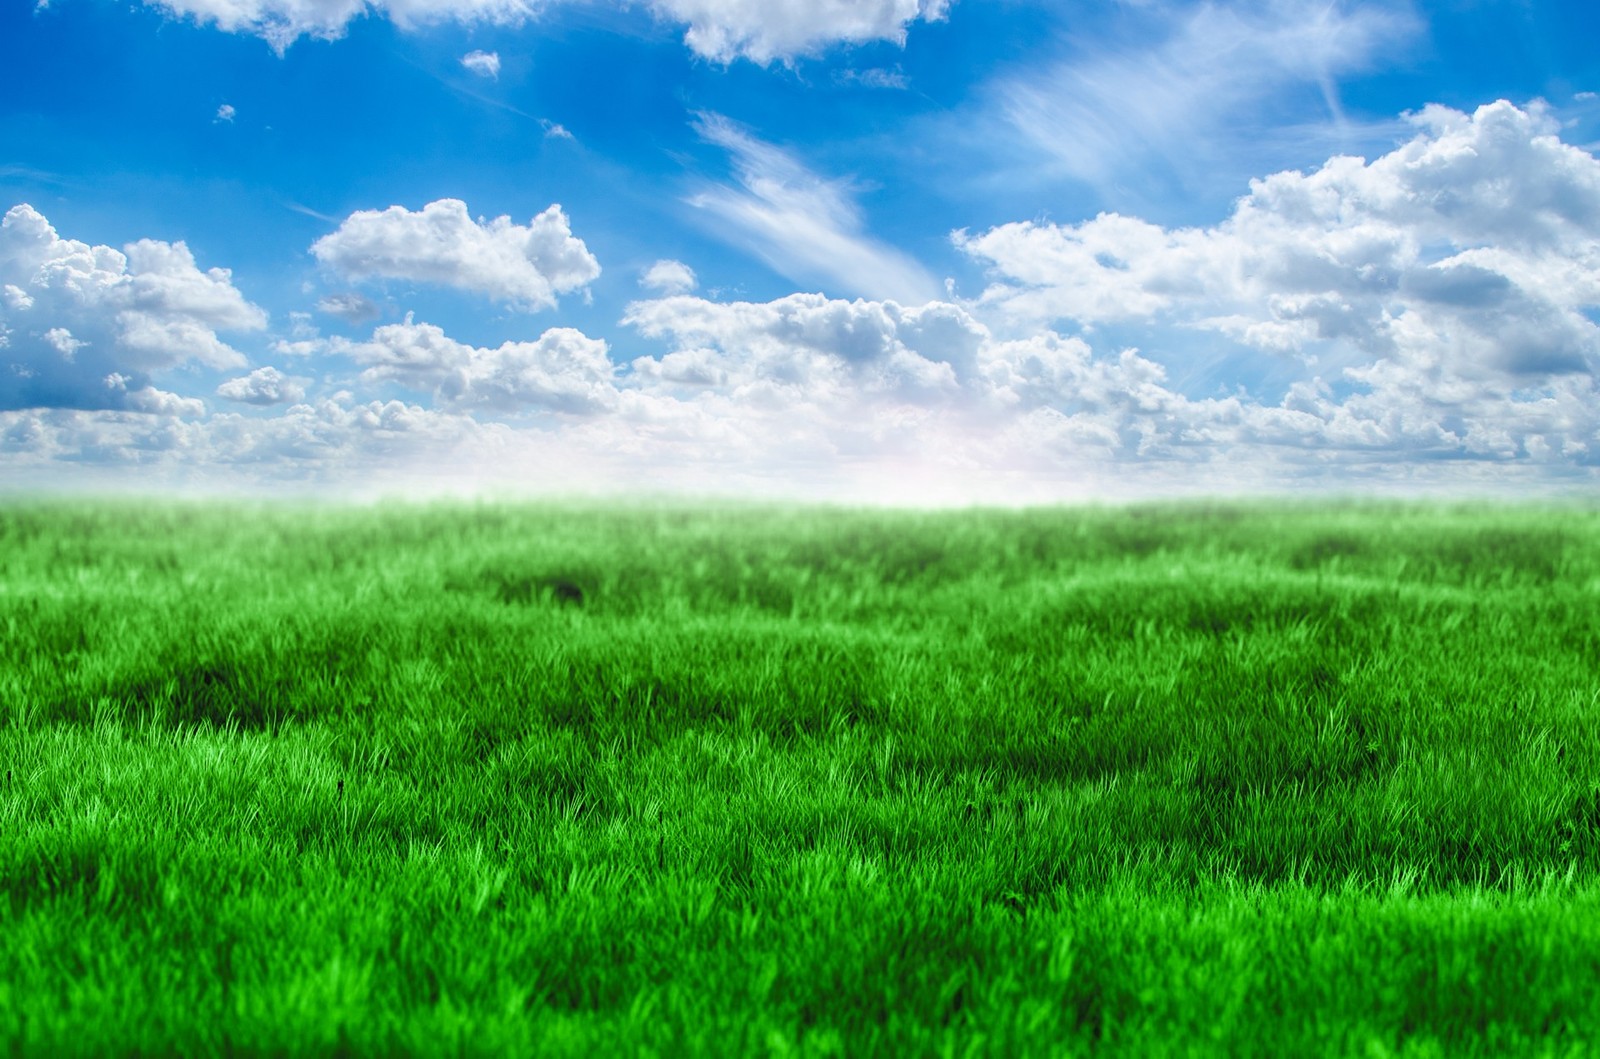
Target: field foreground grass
(572,780)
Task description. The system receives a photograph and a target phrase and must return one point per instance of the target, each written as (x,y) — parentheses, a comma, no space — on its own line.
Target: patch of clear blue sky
(107,125)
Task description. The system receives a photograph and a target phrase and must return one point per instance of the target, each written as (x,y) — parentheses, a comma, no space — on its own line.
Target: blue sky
(903,250)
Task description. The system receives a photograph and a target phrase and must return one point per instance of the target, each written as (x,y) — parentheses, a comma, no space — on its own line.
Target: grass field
(1253,779)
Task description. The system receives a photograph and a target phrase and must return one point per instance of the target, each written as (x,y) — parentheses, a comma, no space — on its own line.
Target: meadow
(1243,779)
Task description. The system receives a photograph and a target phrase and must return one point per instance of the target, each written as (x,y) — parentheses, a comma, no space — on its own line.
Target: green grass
(1227,779)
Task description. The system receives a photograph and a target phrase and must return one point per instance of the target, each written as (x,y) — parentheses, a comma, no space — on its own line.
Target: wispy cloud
(17,171)
(806,228)
(874,77)
(1209,96)
(307,211)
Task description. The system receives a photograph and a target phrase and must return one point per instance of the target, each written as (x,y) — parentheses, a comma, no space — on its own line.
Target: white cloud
(16,298)
(562,371)
(61,340)
(805,228)
(555,130)
(74,314)
(482,63)
(768,30)
(807,347)
(525,266)
(225,113)
(264,386)
(151,401)
(669,277)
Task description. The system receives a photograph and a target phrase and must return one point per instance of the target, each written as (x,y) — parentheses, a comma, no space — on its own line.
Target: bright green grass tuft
(584,780)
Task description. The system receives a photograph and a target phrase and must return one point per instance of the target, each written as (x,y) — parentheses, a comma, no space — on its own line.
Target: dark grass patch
(213,694)
(526,590)
(522,588)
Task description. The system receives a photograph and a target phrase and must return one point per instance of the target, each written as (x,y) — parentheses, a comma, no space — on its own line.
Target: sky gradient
(863,250)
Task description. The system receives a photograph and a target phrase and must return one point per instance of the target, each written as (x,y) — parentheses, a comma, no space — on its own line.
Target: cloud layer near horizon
(1430,314)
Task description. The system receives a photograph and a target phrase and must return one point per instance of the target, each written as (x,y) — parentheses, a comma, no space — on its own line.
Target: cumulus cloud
(264,386)
(562,371)
(482,63)
(61,340)
(151,401)
(669,277)
(225,113)
(768,30)
(804,227)
(806,346)
(74,315)
(524,266)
